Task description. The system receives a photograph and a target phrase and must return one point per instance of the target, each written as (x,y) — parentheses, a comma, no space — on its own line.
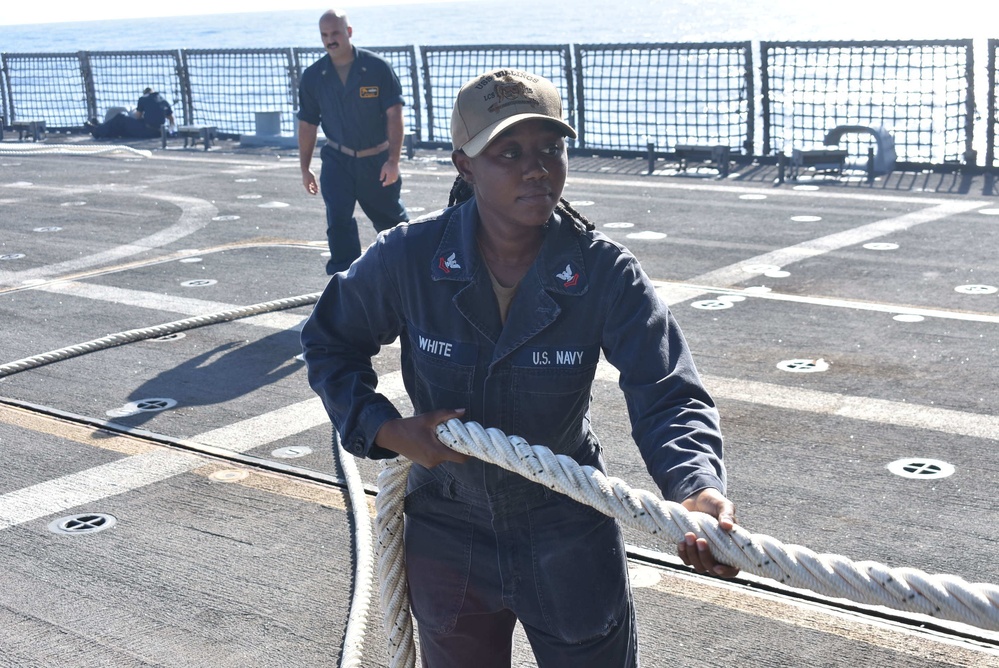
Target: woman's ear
(464,166)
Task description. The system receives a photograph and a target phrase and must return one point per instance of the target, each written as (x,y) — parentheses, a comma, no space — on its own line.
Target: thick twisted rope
(132,335)
(72,149)
(393,589)
(364,563)
(943,596)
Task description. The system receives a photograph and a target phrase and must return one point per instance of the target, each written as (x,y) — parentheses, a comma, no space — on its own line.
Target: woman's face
(518,179)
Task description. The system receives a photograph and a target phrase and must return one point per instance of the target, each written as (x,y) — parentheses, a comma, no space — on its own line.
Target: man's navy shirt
(352,115)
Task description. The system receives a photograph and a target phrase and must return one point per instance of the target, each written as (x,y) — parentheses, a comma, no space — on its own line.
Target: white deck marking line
(696,290)
(169,303)
(90,485)
(736,273)
(129,473)
(195,214)
(895,413)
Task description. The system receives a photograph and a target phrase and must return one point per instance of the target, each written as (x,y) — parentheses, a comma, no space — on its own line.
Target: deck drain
(806,219)
(248,196)
(48,229)
(199,283)
(712,304)
(229,475)
(618,226)
(881,245)
(647,236)
(12,256)
(225,219)
(803,366)
(175,336)
(976,289)
(151,405)
(921,469)
(80,524)
(273,205)
(292,452)
(908,317)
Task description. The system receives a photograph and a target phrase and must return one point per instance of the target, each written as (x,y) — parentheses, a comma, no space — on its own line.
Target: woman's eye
(554,149)
(510,153)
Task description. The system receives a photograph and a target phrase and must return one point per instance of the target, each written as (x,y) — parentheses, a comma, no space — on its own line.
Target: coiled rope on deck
(943,596)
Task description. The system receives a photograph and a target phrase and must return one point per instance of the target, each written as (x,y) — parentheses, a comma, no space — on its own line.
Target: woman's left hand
(695,551)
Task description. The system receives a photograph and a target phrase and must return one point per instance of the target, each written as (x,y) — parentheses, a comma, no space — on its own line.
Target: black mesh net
(47,86)
(120,77)
(918,91)
(447,68)
(666,94)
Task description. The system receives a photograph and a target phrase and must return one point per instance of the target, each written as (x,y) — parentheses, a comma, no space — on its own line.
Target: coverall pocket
(580,571)
(438,556)
(441,384)
(561,395)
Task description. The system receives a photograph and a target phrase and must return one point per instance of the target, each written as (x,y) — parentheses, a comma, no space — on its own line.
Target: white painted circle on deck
(618,226)
(806,219)
(48,229)
(643,576)
(292,452)
(752,197)
(225,219)
(805,188)
(74,203)
(976,289)
(803,365)
(199,283)
(248,196)
(712,304)
(908,317)
(151,405)
(647,236)
(229,475)
(777,273)
(273,205)
(12,256)
(918,468)
(244,180)
(881,245)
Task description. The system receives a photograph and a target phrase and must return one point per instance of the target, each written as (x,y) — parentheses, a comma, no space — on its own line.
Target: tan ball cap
(492,102)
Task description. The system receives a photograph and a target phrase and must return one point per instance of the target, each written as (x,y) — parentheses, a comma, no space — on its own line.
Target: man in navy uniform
(151,112)
(356,97)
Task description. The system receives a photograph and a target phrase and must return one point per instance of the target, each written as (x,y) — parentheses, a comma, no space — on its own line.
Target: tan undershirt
(504,295)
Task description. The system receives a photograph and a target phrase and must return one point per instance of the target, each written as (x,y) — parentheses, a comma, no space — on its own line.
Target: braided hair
(461,191)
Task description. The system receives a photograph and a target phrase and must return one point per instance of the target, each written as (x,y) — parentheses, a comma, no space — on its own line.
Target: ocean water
(526,22)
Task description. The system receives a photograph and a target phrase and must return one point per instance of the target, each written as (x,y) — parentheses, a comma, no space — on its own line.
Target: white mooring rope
(71,149)
(943,596)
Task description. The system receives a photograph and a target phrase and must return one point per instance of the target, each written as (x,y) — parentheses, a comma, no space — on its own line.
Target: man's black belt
(374,150)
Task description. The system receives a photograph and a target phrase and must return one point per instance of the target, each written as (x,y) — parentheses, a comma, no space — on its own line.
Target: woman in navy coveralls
(503,303)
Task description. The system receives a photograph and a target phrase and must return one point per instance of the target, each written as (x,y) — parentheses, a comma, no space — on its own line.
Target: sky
(18,12)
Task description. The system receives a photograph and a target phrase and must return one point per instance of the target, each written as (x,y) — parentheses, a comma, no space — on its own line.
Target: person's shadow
(215,376)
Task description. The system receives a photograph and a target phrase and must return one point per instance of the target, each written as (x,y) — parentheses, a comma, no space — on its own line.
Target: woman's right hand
(415,438)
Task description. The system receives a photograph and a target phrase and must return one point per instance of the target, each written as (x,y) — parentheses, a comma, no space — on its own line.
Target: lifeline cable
(943,596)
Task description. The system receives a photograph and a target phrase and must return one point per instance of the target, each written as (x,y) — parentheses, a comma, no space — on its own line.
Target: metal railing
(621,98)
